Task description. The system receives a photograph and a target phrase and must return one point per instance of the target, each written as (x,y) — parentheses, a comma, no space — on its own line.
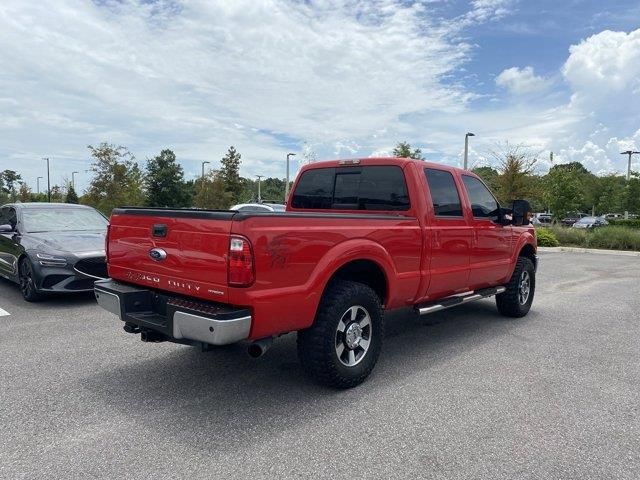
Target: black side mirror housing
(521,213)
(6,228)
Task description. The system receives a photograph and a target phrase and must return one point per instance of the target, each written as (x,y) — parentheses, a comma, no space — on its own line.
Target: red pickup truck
(358,237)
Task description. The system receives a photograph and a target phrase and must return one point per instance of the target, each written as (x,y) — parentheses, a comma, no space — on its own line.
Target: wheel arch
(365,271)
(529,252)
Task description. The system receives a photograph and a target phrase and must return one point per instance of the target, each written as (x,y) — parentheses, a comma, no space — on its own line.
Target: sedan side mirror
(521,213)
(6,228)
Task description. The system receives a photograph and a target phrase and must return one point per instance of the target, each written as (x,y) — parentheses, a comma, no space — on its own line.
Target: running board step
(458,299)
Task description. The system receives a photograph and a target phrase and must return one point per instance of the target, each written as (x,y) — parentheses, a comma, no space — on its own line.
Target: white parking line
(3,313)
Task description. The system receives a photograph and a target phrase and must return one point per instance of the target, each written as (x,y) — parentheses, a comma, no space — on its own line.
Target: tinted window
(444,194)
(353,188)
(483,204)
(383,188)
(62,219)
(8,216)
(315,189)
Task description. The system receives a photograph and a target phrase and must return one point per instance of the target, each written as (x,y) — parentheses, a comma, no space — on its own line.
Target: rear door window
(353,188)
(444,193)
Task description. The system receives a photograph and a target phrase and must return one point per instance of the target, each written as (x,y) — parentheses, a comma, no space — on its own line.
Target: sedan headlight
(47,260)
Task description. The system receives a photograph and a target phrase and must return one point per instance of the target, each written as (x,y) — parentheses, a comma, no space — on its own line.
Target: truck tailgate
(181,251)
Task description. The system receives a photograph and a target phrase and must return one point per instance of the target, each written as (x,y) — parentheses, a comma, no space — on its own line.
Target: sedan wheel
(27,282)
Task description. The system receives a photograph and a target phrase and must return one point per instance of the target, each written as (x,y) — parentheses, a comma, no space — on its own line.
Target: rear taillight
(241,270)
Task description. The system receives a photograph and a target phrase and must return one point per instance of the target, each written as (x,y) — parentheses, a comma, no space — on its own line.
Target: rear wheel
(343,345)
(517,299)
(27,282)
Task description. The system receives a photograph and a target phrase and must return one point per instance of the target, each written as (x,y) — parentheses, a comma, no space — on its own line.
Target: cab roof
(399,161)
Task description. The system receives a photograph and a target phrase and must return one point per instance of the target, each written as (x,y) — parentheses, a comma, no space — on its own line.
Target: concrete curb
(622,253)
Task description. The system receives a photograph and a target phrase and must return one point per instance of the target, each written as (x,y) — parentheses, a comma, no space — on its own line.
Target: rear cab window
(372,187)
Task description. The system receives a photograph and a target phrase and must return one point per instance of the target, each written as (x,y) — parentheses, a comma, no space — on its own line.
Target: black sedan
(52,247)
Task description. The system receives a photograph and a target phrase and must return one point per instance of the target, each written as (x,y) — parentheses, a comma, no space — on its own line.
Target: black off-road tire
(318,346)
(510,303)
(27,281)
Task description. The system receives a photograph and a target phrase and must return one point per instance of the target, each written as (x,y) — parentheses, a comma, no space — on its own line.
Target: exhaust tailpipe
(150,336)
(259,347)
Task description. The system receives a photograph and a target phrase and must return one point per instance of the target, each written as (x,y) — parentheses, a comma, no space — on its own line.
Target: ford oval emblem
(157,254)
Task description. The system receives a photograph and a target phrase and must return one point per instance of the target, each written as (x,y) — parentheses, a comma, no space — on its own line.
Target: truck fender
(525,239)
(344,253)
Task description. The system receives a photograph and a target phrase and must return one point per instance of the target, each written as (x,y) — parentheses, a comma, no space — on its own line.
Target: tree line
(118,180)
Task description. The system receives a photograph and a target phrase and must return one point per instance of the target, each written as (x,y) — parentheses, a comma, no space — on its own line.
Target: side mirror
(521,213)
(6,228)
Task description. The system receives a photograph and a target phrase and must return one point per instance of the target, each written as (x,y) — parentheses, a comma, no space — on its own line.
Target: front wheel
(27,282)
(517,299)
(343,345)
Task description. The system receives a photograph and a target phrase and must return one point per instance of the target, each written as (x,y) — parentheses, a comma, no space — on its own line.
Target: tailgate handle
(159,230)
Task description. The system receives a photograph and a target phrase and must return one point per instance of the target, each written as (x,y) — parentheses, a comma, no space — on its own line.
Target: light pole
(203,164)
(630,153)
(48,181)
(259,196)
(286,185)
(73,179)
(38,185)
(466,147)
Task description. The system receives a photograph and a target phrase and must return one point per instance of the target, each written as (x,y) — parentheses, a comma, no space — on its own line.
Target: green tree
(515,166)
(211,193)
(230,173)
(165,182)
(563,191)
(10,179)
(489,175)
(57,194)
(403,149)
(24,192)
(117,179)
(72,196)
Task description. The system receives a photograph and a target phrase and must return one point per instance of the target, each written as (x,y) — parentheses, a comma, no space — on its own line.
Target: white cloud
(603,66)
(521,80)
(182,75)
(350,77)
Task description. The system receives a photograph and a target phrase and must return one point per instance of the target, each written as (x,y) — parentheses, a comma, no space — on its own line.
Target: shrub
(569,236)
(546,238)
(613,237)
(632,222)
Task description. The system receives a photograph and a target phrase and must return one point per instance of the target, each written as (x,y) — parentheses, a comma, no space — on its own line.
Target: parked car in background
(52,247)
(259,207)
(590,222)
(572,218)
(542,219)
(612,216)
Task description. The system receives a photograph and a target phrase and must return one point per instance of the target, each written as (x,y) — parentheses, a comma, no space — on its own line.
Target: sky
(322,79)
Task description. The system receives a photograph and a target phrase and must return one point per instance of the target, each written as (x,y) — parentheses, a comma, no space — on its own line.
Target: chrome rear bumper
(175,319)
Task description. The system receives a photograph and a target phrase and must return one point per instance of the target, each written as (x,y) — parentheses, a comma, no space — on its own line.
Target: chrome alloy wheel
(353,335)
(524,289)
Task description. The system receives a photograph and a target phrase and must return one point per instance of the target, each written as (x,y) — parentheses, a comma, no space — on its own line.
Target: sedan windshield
(587,220)
(62,220)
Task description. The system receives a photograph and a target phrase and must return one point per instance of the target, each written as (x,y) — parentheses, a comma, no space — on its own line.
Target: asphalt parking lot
(463,394)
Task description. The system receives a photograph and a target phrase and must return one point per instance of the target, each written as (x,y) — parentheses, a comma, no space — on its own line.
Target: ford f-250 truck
(359,237)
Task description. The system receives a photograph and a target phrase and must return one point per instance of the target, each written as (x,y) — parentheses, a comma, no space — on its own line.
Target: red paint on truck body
(423,257)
